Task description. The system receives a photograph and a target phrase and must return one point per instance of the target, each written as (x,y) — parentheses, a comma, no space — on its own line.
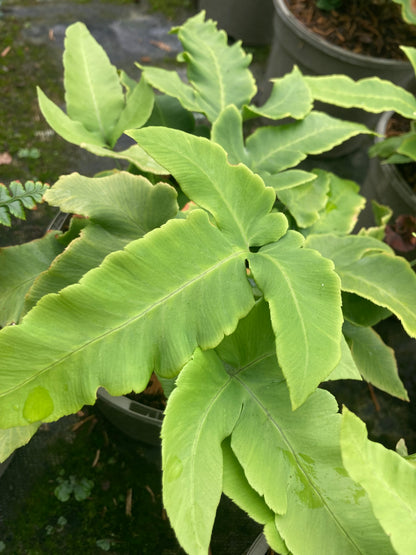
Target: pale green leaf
(274,539)
(374,359)
(93,92)
(218,74)
(407,148)
(117,321)
(306,201)
(371,94)
(346,369)
(276,148)
(120,207)
(19,267)
(288,179)
(227,131)
(343,205)
(80,256)
(123,203)
(304,296)
(72,131)
(12,438)
(136,111)
(289,97)
(191,447)
(369,268)
(134,154)
(295,462)
(237,488)
(387,148)
(388,478)
(238,200)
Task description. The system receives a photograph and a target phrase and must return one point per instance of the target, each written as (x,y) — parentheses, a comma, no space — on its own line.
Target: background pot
(294,44)
(259,547)
(385,184)
(138,421)
(248,20)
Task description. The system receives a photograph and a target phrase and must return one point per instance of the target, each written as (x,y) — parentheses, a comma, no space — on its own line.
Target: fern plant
(251,299)
(15,198)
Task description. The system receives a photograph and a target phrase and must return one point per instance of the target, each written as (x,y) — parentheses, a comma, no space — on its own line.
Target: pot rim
(321,44)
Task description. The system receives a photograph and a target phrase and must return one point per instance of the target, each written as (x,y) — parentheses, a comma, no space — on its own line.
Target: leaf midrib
(125,324)
(93,96)
(298,462)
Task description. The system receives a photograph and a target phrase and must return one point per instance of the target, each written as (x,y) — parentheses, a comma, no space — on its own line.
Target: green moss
(118,471)
(22,125)
(170,7)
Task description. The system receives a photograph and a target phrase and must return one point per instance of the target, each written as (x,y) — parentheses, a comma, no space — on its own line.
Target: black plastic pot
(295,44)
(385,184)
(248,20)
(138,421)
(259,546)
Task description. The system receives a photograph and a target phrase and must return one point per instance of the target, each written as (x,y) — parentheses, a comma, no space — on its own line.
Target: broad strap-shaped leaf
(304,296)
(346,369)
(288,179)
(371,94)
(134,154)
(227,131)
(237,488)
(296,464)
(191,447)
(342,207)
(71,130)
(93,93)
(238,200)
(276,148)
(123,203)
(307,200)
(375,360)
(218,74)
(388,478)
(81,255)
(407,149)
(136,111)
(20,265)
(369,268)
(120,208)
(193,441)
(74,132)
(289,97)
(388,148)
(145,308)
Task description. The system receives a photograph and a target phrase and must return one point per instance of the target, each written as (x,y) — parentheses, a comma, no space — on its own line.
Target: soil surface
(153,396)
(400,234)
(364,27)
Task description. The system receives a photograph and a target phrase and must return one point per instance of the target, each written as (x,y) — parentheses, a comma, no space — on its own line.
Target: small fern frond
(15,198)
